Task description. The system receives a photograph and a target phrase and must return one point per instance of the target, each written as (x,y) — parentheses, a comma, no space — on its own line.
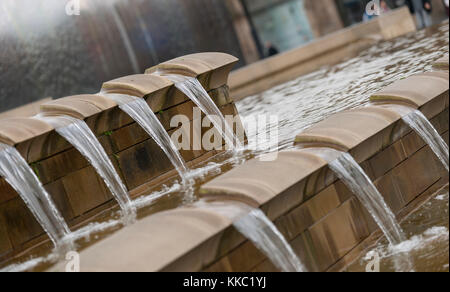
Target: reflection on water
(307,100)
(428,243)
(311,98)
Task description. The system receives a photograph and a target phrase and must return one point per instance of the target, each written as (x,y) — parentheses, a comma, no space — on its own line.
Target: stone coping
(415,90)
(27,110)
(144,247)
(253,184)
(263,75)
(212,69)
(17,130)
(78,106)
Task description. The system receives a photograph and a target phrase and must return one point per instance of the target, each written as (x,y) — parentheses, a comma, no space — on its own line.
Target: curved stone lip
(211,69)
(78,106)
(411,90)
(17,130)
(195,64)
(339,131)
(156,242)
(245,184)
(139,85)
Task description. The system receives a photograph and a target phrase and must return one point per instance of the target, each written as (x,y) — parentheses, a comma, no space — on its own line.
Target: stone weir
(78,192)
(323,221)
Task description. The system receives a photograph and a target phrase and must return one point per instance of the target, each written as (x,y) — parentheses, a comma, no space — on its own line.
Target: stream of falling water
(77,133)
(353,176)
(267,238)
(193,89)
(140,111)
(21,177)
(422,126)
(255,226)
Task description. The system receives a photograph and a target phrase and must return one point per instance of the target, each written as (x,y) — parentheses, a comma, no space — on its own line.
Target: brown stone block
(242,259)
(142,162)
(413,176)
(85,190)
(19,222)
(6,191)
(415,90)
(60,165)
(303,247)
(58,193)
(265,267)
(46,146)
(338,233)
(5,243)
(295,222)
(108,121)
(387,159)
(128,136)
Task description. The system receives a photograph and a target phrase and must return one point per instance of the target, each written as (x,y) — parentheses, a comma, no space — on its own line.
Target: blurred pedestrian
(271,49)
(422,9)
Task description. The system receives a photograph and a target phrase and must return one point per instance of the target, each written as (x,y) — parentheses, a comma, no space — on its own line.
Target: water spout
(193,89)
(77,133)
(256,227)
(21,177)
(422,126)
(140,111)
(353,176)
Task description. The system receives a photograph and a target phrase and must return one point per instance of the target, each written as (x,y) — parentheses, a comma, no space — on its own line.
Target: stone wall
(72,182)
(324,222)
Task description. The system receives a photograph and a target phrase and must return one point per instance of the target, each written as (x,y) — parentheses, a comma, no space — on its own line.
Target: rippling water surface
(299,104)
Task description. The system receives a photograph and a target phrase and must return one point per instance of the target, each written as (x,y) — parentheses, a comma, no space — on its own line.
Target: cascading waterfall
(267,238)
(21,177)
(255,226)
(193,89)
(77,133)
(140,111)
(353,176)
(422,126)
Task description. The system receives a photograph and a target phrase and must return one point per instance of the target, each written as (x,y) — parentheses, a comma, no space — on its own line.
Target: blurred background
(44,52)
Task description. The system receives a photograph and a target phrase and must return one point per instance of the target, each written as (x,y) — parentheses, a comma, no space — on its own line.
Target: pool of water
(428,243)
(299,104)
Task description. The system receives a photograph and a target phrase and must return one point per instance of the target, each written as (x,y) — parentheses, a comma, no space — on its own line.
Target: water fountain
(77,133)
(354,177)
(140,111)
(193,89)
(253,224)
(423,127)
(21,177)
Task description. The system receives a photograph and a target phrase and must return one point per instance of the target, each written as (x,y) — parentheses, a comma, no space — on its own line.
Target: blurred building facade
(45,52)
